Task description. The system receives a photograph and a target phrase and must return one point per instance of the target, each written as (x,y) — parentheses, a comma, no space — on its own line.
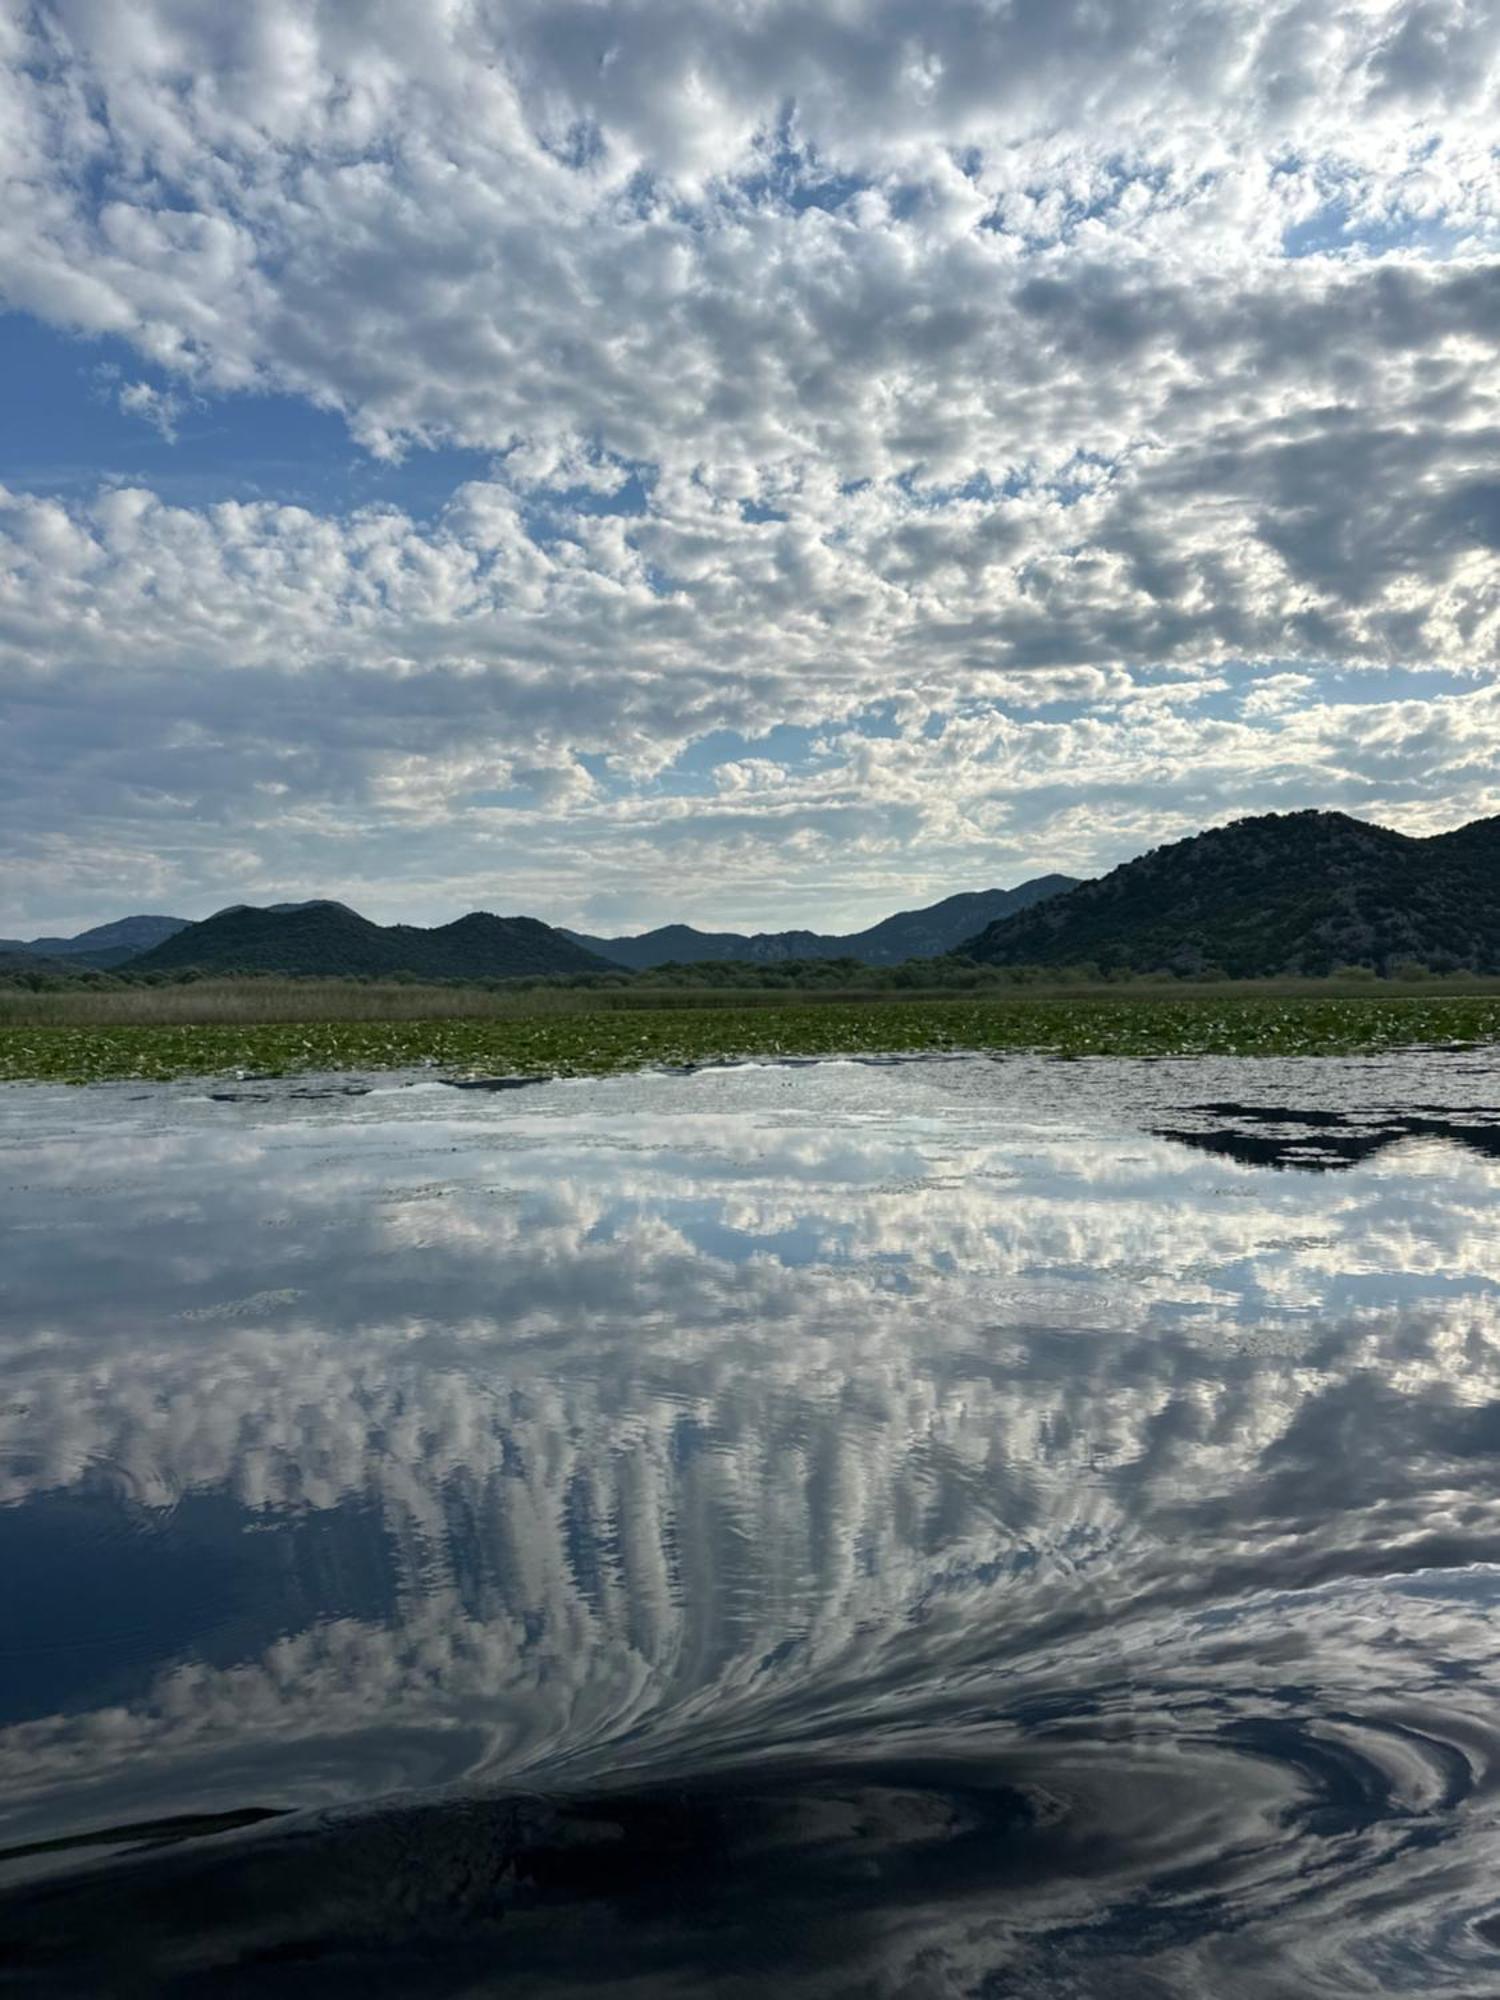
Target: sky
(752,463)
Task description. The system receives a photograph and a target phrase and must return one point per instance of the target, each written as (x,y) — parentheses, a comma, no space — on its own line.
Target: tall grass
(229,1002)
(249,1002)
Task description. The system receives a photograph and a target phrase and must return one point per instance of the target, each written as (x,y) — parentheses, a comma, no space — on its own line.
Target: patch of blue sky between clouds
(1334,686)
(77,413)
(1013,483)
(1338,229)
(580,146)
(1084,473)
(794,750)
(792,747)
(549,512)
(529,790)
(789,174)
(800,751)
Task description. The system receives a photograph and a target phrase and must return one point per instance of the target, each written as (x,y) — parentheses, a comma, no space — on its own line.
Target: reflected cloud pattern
(980,1509)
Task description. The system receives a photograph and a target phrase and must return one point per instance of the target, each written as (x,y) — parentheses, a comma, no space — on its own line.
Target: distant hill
(926,933)
(329,939)
(24,960)
(680,944)
(104,946)
(1284,893)
(942,927)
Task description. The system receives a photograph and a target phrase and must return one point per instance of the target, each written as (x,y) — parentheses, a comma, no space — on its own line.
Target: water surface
(894,1528)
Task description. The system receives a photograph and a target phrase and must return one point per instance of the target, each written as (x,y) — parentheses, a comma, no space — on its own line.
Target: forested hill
(328,939)
(1283,893)
(926,933)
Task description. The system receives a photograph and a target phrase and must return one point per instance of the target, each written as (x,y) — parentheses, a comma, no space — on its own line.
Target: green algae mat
(608,1042)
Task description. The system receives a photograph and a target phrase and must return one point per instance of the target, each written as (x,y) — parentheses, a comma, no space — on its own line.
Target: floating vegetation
(602,1043)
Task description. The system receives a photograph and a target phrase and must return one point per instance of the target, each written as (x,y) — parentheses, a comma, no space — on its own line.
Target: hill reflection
(1323,1141)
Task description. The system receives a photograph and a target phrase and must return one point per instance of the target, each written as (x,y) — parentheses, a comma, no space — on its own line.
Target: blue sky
(757,467)
(64,431)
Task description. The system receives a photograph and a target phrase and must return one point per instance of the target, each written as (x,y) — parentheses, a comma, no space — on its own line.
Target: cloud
(161,411)
(825,359)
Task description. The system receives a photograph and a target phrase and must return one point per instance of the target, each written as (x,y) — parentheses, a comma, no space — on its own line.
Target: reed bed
(247,1002)
(235,1002)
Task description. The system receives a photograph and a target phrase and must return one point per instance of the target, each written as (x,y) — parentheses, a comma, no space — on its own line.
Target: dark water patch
(291,1093)
(1320,1141)
(1076,1865)
(764,1880)
(492,1084)
(1276,1114)
(99,1594)
(143,1834)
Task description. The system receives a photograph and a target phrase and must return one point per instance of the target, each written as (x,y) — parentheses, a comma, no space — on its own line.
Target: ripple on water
(916,1529)
(1248,1861)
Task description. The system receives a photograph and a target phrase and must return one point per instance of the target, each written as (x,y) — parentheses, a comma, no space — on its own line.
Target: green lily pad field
(608,1041)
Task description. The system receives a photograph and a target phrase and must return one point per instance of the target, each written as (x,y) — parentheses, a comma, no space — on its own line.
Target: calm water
(942,1528)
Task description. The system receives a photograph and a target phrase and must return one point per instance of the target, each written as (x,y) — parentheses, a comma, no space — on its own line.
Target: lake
(941,1527)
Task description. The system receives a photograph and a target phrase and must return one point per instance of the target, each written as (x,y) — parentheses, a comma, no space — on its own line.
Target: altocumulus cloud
(907,446)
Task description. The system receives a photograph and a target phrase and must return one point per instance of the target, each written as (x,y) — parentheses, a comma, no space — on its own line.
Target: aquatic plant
(604,1042)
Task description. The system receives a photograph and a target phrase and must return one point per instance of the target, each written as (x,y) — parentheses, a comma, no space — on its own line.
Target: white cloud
(828,357)
(161,411)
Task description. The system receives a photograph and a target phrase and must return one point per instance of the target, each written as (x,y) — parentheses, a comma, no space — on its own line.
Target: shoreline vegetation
(116,1030)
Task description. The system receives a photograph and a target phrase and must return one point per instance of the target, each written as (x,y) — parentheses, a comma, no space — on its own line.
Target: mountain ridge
(1299,893)
(328,939)
(1275,893)
(928,932)
(104,946)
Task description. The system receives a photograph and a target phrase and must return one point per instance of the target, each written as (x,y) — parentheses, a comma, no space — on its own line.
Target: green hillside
(1285,893)
(328,939)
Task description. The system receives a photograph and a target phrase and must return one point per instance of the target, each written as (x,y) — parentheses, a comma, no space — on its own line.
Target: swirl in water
(954,1527)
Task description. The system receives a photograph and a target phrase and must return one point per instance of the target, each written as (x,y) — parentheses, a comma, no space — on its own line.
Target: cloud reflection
(551,1445)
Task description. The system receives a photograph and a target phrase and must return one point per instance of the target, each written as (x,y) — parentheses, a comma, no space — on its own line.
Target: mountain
(329,939)
(23,959)
(943,927)
(105,945)
(1296,892)
(926,933)
(680,944)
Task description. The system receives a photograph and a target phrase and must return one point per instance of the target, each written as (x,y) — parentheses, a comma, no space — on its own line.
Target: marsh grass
(249,1002)
(563,1033)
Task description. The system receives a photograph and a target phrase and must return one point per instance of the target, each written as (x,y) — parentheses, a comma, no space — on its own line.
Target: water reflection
(1315,1139)
(1039,1550)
